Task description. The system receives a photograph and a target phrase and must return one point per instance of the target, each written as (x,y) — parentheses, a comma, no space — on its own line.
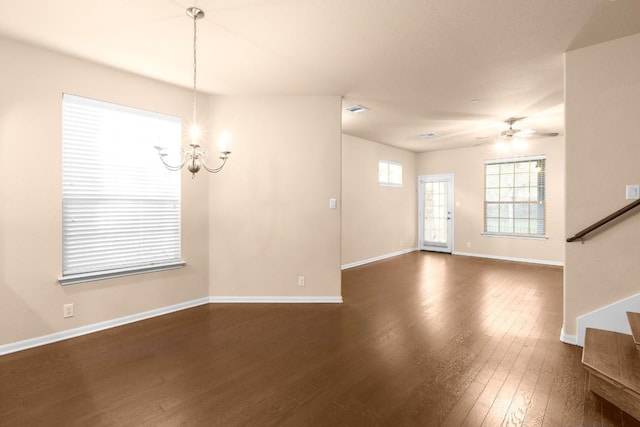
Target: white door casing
(435,212)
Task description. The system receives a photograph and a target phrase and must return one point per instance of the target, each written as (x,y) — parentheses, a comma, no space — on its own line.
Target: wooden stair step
(613,363)
(600,412)
(634,322)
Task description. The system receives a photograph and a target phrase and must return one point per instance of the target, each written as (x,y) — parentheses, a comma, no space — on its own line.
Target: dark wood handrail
(603,221)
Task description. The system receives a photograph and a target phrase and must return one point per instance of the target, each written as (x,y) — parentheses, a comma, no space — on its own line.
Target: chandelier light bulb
(225,139)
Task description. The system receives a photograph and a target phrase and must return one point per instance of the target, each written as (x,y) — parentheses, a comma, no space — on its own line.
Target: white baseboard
(612,317)
(507,258)
(275,300)
(88,329)
(377,258)
(568,339)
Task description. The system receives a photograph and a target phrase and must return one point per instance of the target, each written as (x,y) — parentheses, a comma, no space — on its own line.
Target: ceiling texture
(455,68)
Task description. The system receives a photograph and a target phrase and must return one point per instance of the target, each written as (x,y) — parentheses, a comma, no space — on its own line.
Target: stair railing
(603,221)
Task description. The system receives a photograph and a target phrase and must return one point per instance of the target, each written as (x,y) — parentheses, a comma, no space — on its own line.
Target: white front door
(435,210)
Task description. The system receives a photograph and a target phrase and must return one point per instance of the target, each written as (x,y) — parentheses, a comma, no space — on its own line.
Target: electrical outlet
(300,280)
(67,310)
(468,244)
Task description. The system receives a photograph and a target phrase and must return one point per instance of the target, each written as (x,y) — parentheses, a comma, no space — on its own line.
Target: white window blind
(389,173)
(515,197)
(121,207)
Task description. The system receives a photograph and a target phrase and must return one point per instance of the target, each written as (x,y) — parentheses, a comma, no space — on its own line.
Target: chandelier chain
(195,68)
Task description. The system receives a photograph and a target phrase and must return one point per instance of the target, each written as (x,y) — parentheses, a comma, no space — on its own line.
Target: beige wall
(267,213)
(31,299)
(270,220)
(602,132)
(467,166)
(376,220)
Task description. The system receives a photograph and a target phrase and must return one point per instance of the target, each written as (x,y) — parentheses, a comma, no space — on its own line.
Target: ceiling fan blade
(536,135)
(511,120)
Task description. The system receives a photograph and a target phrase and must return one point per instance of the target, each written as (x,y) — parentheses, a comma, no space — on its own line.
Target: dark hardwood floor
(422,339)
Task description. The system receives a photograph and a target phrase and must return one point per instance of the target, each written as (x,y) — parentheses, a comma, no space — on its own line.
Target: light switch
(333,203)
(633,192)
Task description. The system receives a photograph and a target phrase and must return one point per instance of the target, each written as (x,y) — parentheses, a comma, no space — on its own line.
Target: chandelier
(193,157)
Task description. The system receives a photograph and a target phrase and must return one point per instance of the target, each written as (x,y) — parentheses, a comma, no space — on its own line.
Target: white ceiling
(416,64)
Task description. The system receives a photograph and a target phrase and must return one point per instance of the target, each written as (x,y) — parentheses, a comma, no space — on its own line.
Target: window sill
(515,236)
(72,279)
(388,184)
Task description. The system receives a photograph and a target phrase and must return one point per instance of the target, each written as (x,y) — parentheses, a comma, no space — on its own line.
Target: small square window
(389,173)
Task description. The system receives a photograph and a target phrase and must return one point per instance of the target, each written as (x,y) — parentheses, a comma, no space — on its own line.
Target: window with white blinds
(120,206)
(515,197)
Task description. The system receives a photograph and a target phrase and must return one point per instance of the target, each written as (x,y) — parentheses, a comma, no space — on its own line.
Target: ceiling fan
(509,134)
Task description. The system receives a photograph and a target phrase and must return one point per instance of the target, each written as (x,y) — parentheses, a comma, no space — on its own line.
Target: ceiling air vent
(356,109)
(428,135)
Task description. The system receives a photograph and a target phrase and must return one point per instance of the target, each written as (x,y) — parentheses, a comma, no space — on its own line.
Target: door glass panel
(436,213)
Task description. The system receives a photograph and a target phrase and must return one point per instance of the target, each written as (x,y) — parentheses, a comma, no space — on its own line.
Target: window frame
(109,184)
(540,199)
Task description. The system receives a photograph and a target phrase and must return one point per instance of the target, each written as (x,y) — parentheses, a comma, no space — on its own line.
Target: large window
(120,206)
(515,202)
(389,173)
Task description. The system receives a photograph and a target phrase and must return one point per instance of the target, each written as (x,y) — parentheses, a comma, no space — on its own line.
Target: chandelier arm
(171,167)
(224,156)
